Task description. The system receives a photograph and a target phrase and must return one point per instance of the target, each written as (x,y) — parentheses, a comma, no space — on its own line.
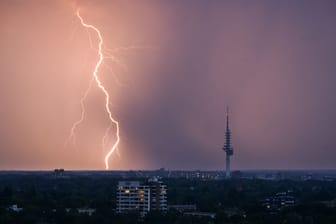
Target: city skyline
(179,65)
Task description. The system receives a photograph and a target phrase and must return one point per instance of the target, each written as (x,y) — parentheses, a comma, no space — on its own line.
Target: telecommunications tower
(227,146)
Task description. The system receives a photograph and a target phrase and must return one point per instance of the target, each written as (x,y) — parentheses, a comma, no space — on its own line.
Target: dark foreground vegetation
(45,198)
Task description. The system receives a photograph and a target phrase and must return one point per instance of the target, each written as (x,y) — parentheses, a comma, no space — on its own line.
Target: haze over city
(181,64)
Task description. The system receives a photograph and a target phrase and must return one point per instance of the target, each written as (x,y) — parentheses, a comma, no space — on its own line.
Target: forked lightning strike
(100,85)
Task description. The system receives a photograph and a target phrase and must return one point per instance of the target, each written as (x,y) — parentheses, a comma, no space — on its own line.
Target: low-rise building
(14,208)
(279,201)
(183,208)
(201,214)
(87,211)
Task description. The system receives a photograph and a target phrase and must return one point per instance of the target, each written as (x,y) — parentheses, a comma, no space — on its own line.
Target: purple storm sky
(272,62)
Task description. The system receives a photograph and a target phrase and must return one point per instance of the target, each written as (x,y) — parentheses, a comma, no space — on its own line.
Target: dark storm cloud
(271,62)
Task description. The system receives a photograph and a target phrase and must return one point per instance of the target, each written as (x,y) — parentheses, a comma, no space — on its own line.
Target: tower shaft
(227,174)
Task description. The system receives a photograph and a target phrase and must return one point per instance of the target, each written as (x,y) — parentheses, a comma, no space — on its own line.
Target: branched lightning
(74,126)
(100,85)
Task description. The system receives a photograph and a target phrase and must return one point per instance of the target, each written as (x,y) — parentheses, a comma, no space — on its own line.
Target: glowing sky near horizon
(272,62)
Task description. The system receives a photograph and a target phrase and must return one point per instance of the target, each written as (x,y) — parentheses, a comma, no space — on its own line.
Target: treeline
(46,198)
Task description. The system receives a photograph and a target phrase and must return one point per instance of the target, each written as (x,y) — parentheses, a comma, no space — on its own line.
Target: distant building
(279,201)
(134,195)
(201,214)
(58,172)
(14,208)
(183,208)
(158,194)
(87,211)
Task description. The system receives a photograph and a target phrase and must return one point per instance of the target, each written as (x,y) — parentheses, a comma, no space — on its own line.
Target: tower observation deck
(227,145)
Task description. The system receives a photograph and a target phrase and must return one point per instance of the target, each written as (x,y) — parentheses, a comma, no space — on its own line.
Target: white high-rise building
(133,195)
(158,194)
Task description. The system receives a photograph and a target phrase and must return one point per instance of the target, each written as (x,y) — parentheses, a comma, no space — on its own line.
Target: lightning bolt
(75,125)
(95,78)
